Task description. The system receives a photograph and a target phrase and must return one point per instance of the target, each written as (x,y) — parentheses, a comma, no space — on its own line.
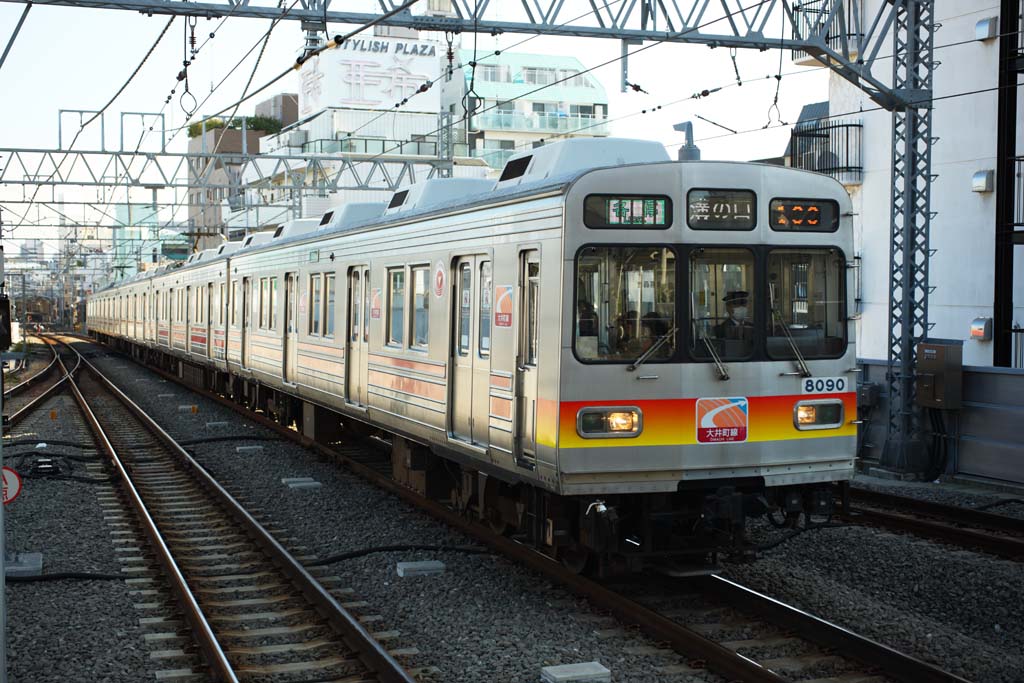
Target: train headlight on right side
(607,422)
(824,414)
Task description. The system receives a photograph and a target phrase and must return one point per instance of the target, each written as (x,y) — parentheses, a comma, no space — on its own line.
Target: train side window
(420,322)
(484,324)
(315,282)
(273,303)
(355,307)
(532,311)
(465,307)
(262,304)
(396,306)
(366,305)
(329,314)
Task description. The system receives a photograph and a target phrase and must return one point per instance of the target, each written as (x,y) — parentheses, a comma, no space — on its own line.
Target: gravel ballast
(67,630)
(948,493)
(486,619)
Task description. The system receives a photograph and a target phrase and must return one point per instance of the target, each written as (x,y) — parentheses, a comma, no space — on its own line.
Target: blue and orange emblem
(722,420)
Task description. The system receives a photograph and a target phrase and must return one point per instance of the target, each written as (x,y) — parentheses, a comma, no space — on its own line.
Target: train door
(246,319)
(469,403)
(291,327)
(357,334)
(527,356)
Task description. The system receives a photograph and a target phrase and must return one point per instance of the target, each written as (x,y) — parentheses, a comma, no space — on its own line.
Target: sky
(73,58)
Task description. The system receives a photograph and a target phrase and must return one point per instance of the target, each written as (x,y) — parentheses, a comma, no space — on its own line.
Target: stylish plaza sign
(371,74)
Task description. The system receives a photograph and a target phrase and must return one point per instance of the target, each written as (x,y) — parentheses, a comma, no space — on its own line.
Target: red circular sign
(439,279)
(12,485)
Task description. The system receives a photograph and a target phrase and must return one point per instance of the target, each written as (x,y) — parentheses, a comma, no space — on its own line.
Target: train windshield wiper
(658,343)
(801,364)
(723,372)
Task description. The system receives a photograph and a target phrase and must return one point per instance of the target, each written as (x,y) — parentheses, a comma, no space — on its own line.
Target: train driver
(737,324)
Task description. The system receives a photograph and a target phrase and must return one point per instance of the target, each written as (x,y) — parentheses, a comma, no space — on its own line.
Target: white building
(858,151)
(513,118)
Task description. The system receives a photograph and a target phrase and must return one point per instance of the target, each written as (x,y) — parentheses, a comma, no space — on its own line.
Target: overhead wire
(98,113)
(14,33)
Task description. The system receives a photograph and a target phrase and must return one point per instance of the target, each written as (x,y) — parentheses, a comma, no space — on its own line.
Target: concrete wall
(963,232)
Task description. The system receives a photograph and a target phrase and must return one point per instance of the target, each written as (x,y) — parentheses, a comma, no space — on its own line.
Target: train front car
(707,359)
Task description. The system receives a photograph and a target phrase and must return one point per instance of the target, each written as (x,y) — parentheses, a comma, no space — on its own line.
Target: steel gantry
(839,34)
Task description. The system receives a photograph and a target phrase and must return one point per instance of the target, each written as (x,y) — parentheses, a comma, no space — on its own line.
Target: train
(618,358)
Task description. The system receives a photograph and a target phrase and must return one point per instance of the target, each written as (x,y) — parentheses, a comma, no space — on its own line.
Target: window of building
(396,305)
(498,73)
(315,303)
(538,75)
(420,307)
(484,322)
(329,313)
(584,110)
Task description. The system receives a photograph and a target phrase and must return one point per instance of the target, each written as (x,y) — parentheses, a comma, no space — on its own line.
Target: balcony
(585,124)
(377,146)
(829,147)
(810,18)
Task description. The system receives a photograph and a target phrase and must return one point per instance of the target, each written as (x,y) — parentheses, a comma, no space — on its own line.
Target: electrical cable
(998,503)
(402,547)
(14,33)
(98,114)
(66,576)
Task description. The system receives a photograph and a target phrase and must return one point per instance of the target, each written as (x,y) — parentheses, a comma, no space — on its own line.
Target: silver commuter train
(606,353)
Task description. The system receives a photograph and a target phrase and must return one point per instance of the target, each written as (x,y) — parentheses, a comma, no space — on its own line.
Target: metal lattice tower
(909,250)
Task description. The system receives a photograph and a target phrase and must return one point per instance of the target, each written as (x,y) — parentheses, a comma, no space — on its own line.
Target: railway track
(21,398)
(973,529)
(696,632)
(255,613)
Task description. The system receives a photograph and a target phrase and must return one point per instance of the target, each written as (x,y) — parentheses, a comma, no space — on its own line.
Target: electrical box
(940,372)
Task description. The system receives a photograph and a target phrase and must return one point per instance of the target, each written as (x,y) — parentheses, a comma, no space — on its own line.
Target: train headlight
(818,415)
(604,422)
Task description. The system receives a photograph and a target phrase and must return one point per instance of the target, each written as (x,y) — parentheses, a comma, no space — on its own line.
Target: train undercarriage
(683,532)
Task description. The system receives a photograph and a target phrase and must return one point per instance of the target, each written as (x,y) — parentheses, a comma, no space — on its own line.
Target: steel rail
(29,381)
(892,663)
(369,651)
(26,409)
(201,629)
(951,513)
(995,544)
(683,640)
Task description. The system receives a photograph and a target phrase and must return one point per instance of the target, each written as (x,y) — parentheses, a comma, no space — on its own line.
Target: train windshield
(722,292)
(625,301)
(805,303)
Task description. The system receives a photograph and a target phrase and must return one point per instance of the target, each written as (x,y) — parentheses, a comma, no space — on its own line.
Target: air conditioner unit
(297,138)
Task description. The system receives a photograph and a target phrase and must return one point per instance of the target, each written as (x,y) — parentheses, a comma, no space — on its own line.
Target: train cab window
(486,296)
(625,303)
(396,305)
(329,316)
(420,307)
(722,294)
(805,301)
